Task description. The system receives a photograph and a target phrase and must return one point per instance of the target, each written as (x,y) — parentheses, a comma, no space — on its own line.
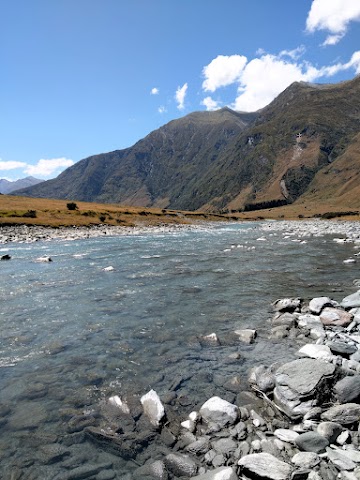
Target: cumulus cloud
(48,167)
(180,96)
(333,16)
(154,91)
(263,78)
(222,71)
(210,104)
(11,165)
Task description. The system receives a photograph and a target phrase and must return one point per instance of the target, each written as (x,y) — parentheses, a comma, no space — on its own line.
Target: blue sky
(81,77)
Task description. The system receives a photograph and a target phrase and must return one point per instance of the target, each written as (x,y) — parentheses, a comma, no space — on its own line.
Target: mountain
(303,145)
(7,186)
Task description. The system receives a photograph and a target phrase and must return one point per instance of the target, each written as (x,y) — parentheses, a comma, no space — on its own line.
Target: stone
(311,442)
(153,408)
(347,389)
(199,447)
(154,470)
(343,437)
(306,459)
(265,466)
(344,414)
(5,257)
(284,319)
(287,304)
(335,317)
(321,352)
(219,412)
(342,348)
(317,304)
(117,402)
(329,430)
(351,301)
(225,446)
(286,435)
(180,465)
(340,460)
(222,473)
(211,340)
(246,335)
(44,259)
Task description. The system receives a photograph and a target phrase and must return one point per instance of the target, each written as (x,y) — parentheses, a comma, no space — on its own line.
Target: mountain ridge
(226,159)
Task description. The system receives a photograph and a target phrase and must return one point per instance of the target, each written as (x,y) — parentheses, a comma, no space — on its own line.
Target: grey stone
(344,414)
(317,304)
(226,446)
(321,352)
(287,304)
(265,466)
(312,442)
(351,301)
(180,465)
(154,470)
(288,319)
(222,473)
(246,335)
(306,459)
(347,389)
(286,435)
(219,460)
(342,348)
(340,460)
(200,446)
(329,430)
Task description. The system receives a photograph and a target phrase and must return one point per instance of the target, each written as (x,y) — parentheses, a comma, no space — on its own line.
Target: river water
(73,334)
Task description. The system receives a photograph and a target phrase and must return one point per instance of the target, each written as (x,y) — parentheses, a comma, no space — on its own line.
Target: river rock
(306,459)
(286,435)
(265,466)
(335,317)
(351,301)
(199,447)
(312,442)
(329,430)
(246,335)
(154,470)
(287,318)
(153,408)
(347,389)
(180,465)
(300,383)
(225,446)
(340,460)
(219,412)
(317,304)
(321,352)
(344,414)
(287,304)
(222,473)
(342,348)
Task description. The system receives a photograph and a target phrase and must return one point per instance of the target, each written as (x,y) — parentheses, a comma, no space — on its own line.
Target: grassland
(55,213)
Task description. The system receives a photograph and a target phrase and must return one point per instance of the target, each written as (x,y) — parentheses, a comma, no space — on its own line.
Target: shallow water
(73,334)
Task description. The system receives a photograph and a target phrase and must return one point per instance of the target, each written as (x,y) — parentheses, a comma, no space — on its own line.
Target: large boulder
(336,317)
(317,304)
(347,389)
(302,384)
(345,414)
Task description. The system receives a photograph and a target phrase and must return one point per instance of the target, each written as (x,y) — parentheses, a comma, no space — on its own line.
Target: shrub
(71,206)
(102,218)
(30,214)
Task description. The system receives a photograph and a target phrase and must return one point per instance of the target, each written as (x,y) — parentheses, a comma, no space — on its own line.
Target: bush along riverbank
(302,421)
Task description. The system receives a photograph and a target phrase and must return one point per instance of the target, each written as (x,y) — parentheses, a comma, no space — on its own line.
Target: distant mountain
(7,186)
(304,145)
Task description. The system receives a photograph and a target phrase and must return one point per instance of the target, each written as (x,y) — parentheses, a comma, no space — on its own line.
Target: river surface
(72,334)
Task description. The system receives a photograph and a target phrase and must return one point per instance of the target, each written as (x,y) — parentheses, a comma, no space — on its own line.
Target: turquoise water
(73,334)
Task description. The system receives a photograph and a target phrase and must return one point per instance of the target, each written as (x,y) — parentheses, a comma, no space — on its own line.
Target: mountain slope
(229,160)
(6,186)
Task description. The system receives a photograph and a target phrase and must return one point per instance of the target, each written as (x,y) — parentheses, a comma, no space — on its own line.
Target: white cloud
(180,96)
(333,16)
(162,109)
(222,71)
(210,104)
(263,78)
(154,91)
(11,165)
(48,167)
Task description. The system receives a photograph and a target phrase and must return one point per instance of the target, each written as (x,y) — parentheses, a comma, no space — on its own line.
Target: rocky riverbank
(303,422)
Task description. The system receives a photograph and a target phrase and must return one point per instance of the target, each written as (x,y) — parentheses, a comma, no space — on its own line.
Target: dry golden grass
(55,213)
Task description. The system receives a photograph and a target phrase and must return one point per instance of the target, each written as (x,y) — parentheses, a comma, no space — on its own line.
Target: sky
(82,77)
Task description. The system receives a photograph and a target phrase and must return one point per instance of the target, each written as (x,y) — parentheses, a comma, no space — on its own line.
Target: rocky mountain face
(6,186)
(304,145)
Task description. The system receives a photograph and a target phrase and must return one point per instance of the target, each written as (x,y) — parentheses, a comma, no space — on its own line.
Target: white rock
(219,411)
(222,473)
(193,416)
(318,303)
(108,269)
(349,260)
(306,459)
(189,425)
(117,402)
(266,466)
(286,435)
(44,259)
(246,335)
(319,352)
(153,408)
